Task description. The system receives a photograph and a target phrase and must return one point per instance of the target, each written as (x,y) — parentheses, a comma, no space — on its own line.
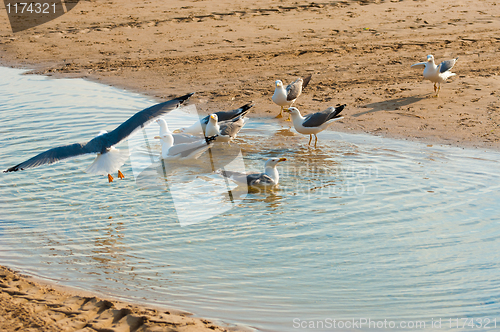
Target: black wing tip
(185,97)
(13,169)
(210,139)
(247,106)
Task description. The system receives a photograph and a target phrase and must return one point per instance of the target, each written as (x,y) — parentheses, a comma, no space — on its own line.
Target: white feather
(108,162)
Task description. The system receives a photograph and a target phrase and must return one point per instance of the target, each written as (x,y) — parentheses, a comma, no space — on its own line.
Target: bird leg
(281,113)
(120,175)
(438,89)
(310,138)
(110,178)
(316,141)
(435,87)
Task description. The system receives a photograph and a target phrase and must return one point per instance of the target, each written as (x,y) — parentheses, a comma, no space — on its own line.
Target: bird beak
(282,159)
(212,116)
(177,131)
(157,137)
(287,110)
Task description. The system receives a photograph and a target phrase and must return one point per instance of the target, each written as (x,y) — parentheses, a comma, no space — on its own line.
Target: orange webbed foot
(110,178)
(120,175)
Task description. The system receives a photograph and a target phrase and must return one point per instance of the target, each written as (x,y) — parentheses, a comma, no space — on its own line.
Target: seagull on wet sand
(285,97)
(268,179)
(108,158)
(436,74)
(314,123)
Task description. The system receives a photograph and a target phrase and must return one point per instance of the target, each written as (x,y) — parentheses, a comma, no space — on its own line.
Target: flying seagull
(314,123)
(108,158)
(226,130)
(183,151)
(268,179)
(436,74)
(200,126)
(286,97)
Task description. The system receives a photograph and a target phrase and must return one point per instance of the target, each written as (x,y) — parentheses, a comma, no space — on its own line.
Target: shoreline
(344,126)
(35,304)
(359,53)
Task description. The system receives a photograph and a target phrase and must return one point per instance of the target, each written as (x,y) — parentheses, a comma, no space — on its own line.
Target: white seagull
(268,179)
(183,151)
(226,130)
(436,74)
(314,123)
(108,158)
(285,97)
(178,138)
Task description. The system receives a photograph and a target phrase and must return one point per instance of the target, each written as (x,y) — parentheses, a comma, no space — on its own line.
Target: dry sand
(359,53)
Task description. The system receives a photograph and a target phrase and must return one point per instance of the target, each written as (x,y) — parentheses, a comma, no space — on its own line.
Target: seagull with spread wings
(436,74)
(109,159)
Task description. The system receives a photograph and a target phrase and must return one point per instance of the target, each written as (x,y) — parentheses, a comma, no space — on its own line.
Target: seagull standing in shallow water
(436,74)
(314,123)
(108,158)
(268,179)
(226,130)
(285,97)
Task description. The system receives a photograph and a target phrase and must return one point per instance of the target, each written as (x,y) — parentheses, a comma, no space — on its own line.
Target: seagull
(314,123)
(286,97)
(108,159)
(226,130)
(268,179)
(436,74)
(183,151)
(200,126)
(178,138)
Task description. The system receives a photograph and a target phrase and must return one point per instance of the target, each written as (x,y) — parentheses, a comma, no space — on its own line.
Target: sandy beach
(27,305)
(358,52)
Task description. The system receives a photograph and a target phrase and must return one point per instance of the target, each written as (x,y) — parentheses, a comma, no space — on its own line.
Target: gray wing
(317,119)
(447,65)
(141,119)
(294,89)
(194,148)
(420,65)
(184,150)
(231,128)
(229,115)
(259,179)
(306,81)
(184,138)
(53,155)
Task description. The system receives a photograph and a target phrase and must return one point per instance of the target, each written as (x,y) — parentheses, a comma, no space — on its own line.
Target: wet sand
(27,305)
(359,53)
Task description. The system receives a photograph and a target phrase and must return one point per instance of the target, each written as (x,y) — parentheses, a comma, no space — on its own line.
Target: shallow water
(362,227)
